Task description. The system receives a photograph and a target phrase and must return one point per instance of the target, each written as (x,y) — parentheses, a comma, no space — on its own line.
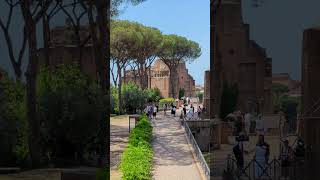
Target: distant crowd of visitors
(243,125)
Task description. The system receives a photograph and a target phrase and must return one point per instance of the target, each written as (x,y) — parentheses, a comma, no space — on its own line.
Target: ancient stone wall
(311,94)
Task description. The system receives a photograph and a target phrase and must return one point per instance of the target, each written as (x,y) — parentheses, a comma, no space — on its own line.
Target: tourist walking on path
(150,112)
(147,111)
(184,110)
(238,153)
(247,120)
(285,156)
(165,107)
(155,110)
(173,111)
(191,107)
(260,125)
(262,156)
(199,111)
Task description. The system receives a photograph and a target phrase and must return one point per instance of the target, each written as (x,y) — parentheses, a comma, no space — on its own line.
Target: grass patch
(136,160)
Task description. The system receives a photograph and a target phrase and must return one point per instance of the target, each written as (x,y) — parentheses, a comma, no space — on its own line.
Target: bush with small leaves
(136,160)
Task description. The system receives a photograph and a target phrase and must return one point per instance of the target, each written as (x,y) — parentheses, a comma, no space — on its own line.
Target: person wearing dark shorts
(285,158)
(154,113)
(174,111)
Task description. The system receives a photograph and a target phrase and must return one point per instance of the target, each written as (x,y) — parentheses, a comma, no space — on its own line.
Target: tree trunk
(31,76)
(143,75)
(102,59)
(149,77)
(119,88)
(124,74)
(46,39)
(172,83)
(104,31)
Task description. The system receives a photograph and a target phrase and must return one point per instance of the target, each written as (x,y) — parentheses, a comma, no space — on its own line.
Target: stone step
(9,170)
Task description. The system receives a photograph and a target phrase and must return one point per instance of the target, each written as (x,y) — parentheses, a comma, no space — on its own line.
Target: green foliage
(229,99)
(181,93)
(142,133)
(134,97)
(279,89)
(13,125)
(154,94)
(136,160)
(175,49)
(114,100)
(200,96)
(70,106)
(124,39)
(289,106)
(115,4)
(166,101)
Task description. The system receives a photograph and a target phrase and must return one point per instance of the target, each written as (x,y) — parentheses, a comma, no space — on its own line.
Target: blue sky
(188,18)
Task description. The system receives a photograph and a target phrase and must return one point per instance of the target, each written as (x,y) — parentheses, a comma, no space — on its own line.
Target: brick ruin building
(160,79)
(63,49)
(238,60)
(310,115)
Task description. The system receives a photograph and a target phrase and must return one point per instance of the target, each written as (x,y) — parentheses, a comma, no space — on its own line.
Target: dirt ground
(119,139)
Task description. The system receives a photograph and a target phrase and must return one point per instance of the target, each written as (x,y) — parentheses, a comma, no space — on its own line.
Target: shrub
(70,106)
(136,160)
(136,163)
(166,101)
(114,100)
(134,98)
(181,93)
(13,125)
(200,96)
(153,95)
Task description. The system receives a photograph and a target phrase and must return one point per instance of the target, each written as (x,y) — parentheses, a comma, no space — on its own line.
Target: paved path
(173,158)
(119,140)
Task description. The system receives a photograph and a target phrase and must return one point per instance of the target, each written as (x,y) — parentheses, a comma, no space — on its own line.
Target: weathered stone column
(311,99)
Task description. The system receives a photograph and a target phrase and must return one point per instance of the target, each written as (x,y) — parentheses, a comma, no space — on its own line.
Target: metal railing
(197,150)
(270,171)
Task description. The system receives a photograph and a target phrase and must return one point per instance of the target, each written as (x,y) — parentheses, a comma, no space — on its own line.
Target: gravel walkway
(173,157)
(119,141)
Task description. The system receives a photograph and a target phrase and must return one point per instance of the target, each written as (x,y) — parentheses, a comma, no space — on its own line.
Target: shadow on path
(173,157)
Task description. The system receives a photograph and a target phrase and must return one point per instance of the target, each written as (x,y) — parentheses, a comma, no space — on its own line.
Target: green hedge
(136,160)
(166,101)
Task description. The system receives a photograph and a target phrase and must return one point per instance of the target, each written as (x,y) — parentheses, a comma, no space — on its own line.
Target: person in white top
(260,125)
(247,120)
(154,112)
(174,111)
(261,156)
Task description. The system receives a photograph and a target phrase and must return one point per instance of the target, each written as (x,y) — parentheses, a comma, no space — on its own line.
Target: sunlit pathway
(119,140)
(173,157)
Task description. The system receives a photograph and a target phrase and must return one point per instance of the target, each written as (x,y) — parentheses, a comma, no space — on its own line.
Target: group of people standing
(192,111)
(151,111)
(173,109)
(287,155)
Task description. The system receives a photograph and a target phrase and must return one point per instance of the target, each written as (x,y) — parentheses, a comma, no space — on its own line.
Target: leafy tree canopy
(115,5)
(278,88)
(175,49)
